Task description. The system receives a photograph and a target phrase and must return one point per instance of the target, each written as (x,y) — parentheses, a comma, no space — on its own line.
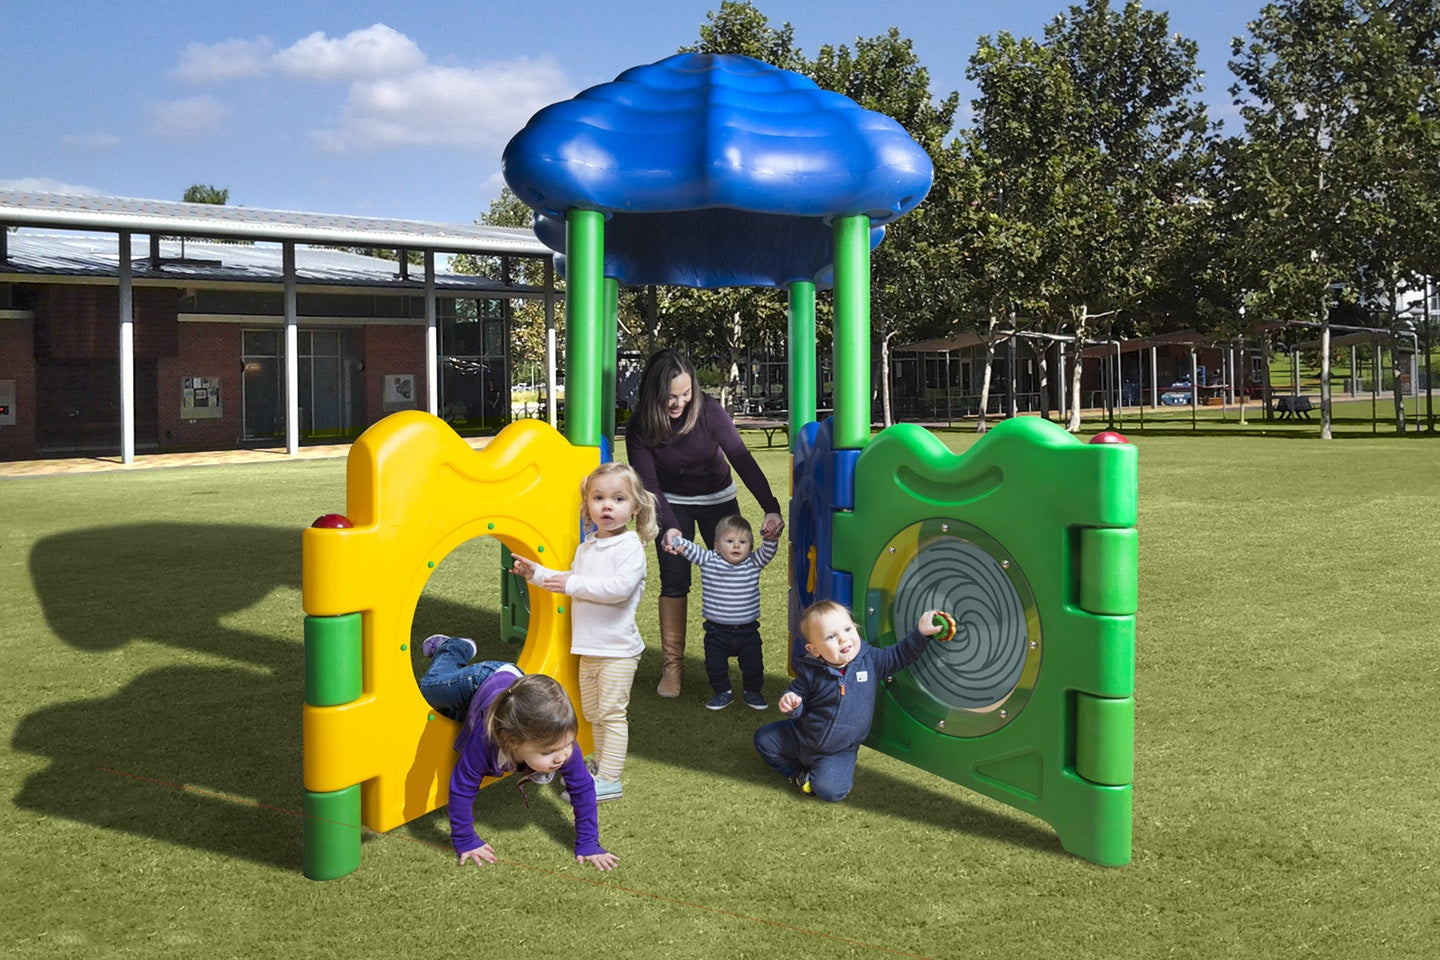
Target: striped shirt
(731,590)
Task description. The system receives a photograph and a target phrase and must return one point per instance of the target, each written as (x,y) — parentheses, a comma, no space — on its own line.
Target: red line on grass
(185,788)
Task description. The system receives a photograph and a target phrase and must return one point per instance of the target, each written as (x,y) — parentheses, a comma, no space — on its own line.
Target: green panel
(852,332)
(1018,507)
(802,357)
(331,833)
(1109,570)
(514,600)
(584,324)
(1105,739)
(332,660)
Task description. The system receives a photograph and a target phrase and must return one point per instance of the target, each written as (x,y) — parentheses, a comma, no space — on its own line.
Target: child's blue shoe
(607,790)
(437,640)
(720,701)
(755,700)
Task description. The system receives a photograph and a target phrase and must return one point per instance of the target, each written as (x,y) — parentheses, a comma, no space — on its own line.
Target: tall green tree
(1336,173)
(1096,138)
(911,269)
(528,338)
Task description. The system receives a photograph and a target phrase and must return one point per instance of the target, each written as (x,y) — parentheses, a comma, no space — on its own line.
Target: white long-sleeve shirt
(606,581)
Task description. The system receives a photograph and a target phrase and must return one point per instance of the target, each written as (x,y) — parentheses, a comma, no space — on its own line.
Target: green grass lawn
(1287,800)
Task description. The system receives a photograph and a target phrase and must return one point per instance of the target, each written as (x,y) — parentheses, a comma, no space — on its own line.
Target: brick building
(134,324)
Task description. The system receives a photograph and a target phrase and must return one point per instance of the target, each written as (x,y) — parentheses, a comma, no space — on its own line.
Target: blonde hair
(646,513)
(533,710)
(817,610)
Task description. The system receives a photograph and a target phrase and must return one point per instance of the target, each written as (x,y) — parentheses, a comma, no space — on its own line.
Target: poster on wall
(399,392)
(200,398)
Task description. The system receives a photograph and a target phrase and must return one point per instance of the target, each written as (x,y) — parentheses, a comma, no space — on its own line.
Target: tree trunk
(1081,317)
(1324,370)
(887,419)
(980,425)
(1041,350)
(1396,374)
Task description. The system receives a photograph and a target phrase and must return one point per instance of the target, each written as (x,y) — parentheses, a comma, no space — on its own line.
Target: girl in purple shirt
(683,444)
(513,723)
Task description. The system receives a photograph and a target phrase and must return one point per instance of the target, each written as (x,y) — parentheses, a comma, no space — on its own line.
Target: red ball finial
(1109,436)
(333,521)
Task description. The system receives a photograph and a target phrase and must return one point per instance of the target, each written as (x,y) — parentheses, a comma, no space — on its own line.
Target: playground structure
(711,171)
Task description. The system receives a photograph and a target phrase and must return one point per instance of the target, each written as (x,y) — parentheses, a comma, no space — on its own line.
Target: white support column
(432,339)
(1154,377)
(550,406)
(127,353)
(292,354)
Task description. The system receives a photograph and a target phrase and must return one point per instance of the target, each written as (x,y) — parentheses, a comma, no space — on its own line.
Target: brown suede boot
(673,613)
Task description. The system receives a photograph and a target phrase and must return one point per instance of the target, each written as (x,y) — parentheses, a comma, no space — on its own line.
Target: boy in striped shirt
(730,578)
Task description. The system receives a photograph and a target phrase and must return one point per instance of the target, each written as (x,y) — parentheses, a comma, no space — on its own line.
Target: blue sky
(398,109)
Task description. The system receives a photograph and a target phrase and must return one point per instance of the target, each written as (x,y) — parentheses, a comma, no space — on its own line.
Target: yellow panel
(415,491)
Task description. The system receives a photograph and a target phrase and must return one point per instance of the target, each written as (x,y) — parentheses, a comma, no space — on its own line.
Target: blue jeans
(738,640)
(452,680)
(831,775)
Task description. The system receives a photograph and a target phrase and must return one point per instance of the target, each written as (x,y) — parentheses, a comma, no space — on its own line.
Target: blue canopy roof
(714,170)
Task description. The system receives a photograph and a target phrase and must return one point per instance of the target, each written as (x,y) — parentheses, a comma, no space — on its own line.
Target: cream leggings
(604,696)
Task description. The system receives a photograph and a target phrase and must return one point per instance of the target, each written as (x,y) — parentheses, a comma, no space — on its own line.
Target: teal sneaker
(607,790)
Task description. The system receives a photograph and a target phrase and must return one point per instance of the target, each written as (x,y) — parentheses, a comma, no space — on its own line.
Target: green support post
(852,332)
(801,388)
(330,828)
(584,324)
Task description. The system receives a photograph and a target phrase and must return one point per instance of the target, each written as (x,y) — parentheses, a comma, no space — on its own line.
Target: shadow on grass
(207,754)
(194,751)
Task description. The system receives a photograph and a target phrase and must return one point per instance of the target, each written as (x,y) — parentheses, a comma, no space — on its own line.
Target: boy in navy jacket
(831,701)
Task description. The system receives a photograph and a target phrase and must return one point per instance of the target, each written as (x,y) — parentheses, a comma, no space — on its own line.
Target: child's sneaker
(607,790)
(755,700)
(437,640)
(720,701)
(802,782)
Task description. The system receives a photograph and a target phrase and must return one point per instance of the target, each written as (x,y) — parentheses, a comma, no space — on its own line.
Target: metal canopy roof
(37,256)
(117,214)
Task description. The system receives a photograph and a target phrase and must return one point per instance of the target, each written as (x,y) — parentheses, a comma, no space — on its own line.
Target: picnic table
(771,426)
(1293,407)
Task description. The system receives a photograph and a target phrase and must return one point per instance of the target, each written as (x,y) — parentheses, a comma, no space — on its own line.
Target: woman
(683,444)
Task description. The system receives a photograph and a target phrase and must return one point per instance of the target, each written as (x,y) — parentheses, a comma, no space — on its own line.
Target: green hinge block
(1105,739)
(331,833)
(1109,570)
(332,660)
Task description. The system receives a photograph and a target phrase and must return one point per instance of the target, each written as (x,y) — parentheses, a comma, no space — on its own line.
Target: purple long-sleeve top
(699,462)
(479,758)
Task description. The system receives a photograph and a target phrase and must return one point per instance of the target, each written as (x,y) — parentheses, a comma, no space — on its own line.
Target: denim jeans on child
(738,640)
(452,680)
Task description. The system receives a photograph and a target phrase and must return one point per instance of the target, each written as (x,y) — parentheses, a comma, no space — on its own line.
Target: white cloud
(376,51)
(184,119)
(452,106)
(91,141)
(48,185)
(227,60)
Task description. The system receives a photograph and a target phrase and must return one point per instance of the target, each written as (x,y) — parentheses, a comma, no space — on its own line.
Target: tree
(1336,174)
(204,193)
(1094,141)
(528,339)
(910,271)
